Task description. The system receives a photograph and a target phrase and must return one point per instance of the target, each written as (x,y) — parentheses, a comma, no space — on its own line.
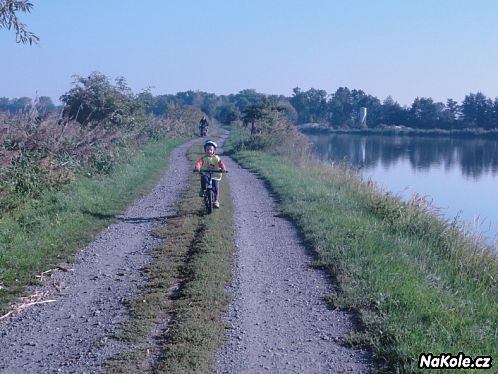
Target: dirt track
(280,322)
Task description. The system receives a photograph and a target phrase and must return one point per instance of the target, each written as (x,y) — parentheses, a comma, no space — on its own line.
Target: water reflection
(459,176)
(474,157)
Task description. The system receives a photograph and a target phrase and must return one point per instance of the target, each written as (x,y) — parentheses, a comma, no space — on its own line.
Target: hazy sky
(427,48)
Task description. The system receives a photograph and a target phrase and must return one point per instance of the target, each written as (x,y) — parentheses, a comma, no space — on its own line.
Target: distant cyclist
(203,126)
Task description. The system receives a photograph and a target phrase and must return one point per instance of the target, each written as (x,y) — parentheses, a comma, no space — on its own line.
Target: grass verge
(51,229)
(417,284)
(177,319)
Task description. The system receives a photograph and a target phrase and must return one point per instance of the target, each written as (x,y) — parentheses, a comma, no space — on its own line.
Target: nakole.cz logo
(448,361)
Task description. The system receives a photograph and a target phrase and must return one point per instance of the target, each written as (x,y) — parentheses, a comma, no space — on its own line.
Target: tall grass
(38,154)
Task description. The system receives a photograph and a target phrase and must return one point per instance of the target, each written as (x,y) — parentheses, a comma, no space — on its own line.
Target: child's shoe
(216,204)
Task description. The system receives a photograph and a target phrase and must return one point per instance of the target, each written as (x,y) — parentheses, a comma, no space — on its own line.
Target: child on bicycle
(210,161)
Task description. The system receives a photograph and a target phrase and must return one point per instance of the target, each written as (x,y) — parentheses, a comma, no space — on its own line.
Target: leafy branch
(9,10)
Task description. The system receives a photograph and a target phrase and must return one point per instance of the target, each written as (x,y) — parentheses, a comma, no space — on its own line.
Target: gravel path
(71,335)
(280,323)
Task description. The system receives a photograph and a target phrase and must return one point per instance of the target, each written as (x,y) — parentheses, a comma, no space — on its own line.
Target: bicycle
(209,192)
(203,131)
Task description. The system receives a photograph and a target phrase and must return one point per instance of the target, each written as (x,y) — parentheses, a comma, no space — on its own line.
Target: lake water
(459,176)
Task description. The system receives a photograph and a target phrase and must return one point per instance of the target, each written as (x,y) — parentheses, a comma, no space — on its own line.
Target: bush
(94,100)
(266,127)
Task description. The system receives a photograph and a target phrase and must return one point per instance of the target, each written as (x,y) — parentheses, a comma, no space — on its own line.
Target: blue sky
(412,48)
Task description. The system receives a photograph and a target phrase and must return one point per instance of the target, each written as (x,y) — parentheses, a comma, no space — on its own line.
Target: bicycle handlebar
(210,171)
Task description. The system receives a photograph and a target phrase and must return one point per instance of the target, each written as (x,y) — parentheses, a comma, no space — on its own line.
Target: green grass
(416,283)
(51,229)
(198,330)
(177,318)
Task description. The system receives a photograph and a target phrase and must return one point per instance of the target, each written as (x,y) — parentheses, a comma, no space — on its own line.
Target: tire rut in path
(279,320)
(71,335)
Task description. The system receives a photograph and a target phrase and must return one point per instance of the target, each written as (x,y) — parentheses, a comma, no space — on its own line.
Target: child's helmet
(210,142)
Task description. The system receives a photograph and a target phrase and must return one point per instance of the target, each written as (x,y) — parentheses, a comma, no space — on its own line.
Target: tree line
(337,110)
(340,109)
(42,104)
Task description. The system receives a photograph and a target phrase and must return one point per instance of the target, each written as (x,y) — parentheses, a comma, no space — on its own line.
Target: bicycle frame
(209,192)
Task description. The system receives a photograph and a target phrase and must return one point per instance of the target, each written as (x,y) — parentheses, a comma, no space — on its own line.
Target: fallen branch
(24,306)
(34,299)
(6,315)
(47,272)
(64,269)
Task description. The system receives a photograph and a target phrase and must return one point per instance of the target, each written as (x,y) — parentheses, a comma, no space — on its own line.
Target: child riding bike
(210,161)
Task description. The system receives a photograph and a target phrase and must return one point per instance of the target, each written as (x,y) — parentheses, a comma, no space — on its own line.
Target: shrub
(94,100)
(266,127)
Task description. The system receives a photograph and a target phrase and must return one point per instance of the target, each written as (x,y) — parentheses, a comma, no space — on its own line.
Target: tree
(341,107)
(425,113)
(9,10)
(227,114)
(262,117)
(477,110)
(246,98)
(158,105)
(299,103)
(21,105)
(251,115)
(392,113)
(317,101)
(210,103)
(44,104)
(311,105)
(450,114)
(288,110)
(16,105)
(494,116)
(94,99)
(4,104)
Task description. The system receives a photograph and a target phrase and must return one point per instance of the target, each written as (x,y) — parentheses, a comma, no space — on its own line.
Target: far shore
(315,128)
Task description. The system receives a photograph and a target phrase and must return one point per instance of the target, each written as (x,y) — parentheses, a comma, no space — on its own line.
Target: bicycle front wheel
(210,201)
